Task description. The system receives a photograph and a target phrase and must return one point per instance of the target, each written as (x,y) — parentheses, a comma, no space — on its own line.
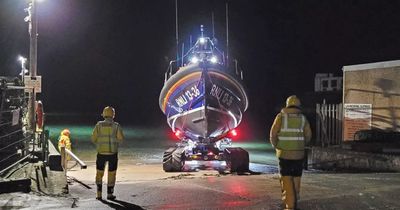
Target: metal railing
(329,126)
(13,150)
(14,142)
(64,158)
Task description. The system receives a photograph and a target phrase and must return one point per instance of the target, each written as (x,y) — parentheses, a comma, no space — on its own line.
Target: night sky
(93,53)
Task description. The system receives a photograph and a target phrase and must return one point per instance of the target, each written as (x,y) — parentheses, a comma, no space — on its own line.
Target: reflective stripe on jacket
(276,129)
(107,135)
(291,134)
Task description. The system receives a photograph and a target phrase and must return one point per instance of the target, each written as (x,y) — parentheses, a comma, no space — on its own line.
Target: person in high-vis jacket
(64,140)
(289,134)
(107,135)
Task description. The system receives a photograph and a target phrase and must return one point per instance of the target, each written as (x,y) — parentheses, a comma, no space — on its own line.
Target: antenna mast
(213,27)
(227,33)
(176,31)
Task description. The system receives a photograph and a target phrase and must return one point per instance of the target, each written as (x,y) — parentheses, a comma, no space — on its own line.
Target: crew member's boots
(110,191)
(99,192)
(111,184)
(99,183)
(288,193)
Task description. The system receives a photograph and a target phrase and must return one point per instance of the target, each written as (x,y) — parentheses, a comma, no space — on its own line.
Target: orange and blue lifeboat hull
(203,101)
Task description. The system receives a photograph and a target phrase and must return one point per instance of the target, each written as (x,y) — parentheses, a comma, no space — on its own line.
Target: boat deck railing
(172,69)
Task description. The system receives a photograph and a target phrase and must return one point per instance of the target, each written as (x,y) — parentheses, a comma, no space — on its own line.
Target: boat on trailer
(204,101)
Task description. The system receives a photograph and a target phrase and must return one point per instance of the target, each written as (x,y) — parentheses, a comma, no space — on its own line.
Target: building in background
(371,98)
(327,82)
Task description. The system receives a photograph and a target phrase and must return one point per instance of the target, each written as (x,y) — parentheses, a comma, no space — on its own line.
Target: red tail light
(178,134)
(232,134)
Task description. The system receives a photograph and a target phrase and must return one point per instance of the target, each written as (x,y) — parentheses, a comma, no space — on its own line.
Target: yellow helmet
(293,101)
(108,111)
(65,132)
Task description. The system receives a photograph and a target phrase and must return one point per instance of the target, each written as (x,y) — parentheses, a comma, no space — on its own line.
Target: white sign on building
(356,117)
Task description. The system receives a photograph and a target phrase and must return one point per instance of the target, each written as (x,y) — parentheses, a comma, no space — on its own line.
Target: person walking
(107,135)
(289,134)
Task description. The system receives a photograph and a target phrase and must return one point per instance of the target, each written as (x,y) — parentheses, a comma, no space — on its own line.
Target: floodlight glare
(202,40)
(194,59)
(214,59)
(21,59)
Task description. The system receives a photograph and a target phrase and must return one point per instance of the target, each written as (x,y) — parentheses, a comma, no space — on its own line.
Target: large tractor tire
(174,159)
(237,159)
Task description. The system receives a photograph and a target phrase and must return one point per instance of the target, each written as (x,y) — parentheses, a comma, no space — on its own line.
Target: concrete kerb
(336,158)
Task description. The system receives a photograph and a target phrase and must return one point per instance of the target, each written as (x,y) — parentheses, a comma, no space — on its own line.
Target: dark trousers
(111,159)
(112,170)
(291,167)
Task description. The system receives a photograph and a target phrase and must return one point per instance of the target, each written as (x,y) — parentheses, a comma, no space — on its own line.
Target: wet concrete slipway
(142,184)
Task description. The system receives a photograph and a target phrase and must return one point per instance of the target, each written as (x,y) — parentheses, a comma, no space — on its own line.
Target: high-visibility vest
(107,142)
(291,135)
(64,140)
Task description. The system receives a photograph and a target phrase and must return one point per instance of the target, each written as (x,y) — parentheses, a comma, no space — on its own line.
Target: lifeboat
(204,100)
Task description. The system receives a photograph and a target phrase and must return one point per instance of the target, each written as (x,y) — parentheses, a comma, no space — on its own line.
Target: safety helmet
(293,101)
(108,111)
(39,104)
(65,132)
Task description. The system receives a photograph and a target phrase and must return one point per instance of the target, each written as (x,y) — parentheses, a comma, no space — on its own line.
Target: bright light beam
(202,40)
(194,59)
(22,59)
(213,59)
